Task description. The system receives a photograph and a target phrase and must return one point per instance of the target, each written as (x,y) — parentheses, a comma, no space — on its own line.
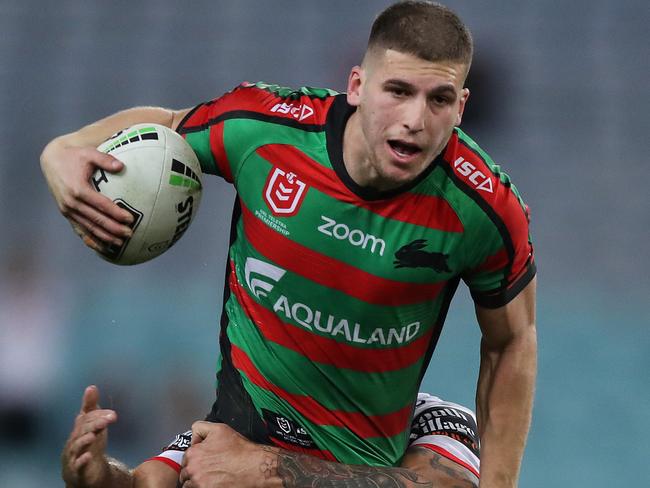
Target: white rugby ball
(160,185)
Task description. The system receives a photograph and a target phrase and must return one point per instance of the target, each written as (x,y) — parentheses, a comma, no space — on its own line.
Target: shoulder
(488,200)
(266,102)
(474,173)
(499,247)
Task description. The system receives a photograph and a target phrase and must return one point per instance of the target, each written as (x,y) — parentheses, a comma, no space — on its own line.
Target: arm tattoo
(462,478)
(303,471)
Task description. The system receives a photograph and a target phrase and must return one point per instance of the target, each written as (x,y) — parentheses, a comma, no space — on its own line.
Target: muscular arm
(113,474)
(420,468)
(505,390)
(150,474)
(219,456)
(292,470)
(69,161)
(95,133)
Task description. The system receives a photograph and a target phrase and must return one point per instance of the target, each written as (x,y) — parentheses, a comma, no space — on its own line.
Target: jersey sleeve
(448,429)
(203,128)
(498,256)
(172,454)
(225,131)
(504,263)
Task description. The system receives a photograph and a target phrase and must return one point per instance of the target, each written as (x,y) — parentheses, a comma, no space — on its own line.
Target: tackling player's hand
(83,463)
(93,216)
(219,456)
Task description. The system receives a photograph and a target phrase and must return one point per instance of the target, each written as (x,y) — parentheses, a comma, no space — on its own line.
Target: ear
(355,82)
(464,95)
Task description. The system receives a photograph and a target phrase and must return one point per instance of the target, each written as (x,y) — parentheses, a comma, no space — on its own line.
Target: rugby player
(443,452)
(356,217)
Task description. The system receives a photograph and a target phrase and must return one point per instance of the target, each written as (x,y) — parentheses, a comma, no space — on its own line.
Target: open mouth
(404,149)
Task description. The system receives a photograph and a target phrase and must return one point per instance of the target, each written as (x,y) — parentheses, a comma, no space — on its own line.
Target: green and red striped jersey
(337,293)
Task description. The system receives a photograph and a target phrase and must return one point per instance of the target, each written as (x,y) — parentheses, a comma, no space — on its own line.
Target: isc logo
(476,177)
(300,112)
(355,237)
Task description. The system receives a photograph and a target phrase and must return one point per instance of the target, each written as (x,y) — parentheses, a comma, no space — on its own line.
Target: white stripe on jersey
(174,456)
(452,450)
(457,451)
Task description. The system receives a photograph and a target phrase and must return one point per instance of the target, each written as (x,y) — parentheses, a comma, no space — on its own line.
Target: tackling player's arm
(504,396)
(69,161)
(421,467)
(220,456)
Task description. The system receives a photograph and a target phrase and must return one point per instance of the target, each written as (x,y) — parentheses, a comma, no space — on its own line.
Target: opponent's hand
(93,216)
(219,456)
(83,463)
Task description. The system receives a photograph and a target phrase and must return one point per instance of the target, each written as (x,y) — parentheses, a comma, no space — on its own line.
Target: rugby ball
(160,185)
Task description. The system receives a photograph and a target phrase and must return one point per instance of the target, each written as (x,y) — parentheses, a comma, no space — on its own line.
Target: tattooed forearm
(302,471)
(441,471)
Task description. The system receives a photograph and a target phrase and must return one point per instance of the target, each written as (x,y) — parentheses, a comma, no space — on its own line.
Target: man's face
(406,110)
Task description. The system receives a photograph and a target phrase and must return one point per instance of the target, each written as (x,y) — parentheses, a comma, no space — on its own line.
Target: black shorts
(234,406)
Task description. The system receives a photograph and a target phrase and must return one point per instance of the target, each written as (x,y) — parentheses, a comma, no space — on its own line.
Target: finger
(82,444)
(184,478)
(105,205)
(81,461)
(200,431)
(96,419)
(92,422)
(90,399)
(103,160)
(104,221)
(96,234)
(94,244)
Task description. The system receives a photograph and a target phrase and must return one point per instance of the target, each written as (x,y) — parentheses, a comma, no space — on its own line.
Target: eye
(440,100)
(397,91)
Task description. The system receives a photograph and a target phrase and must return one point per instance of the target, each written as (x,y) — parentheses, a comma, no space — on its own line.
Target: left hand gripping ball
(160,185)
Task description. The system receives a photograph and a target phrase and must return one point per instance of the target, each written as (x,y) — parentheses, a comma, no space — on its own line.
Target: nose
(414,114)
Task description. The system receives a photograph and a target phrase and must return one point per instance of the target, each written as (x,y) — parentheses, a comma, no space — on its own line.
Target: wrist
(97,474)
(265,474)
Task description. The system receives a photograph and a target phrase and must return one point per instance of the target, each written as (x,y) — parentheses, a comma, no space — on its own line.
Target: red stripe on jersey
(326,455)
(249,98)
(327,350)
(332,273)
(172,464)
(407,207)
(498,260)
(451,457)
(473,171)
(362,425)
(219,151)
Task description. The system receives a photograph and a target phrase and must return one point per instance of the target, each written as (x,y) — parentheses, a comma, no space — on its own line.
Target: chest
(293,201)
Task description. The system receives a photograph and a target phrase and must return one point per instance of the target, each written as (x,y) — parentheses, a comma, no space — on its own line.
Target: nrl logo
(284,193)
(284,425)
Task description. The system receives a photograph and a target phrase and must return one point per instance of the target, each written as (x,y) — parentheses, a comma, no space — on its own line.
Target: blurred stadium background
(559,97)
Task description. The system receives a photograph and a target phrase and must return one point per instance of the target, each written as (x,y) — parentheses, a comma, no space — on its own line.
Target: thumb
(200,431)
(90,400)
(104,161)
